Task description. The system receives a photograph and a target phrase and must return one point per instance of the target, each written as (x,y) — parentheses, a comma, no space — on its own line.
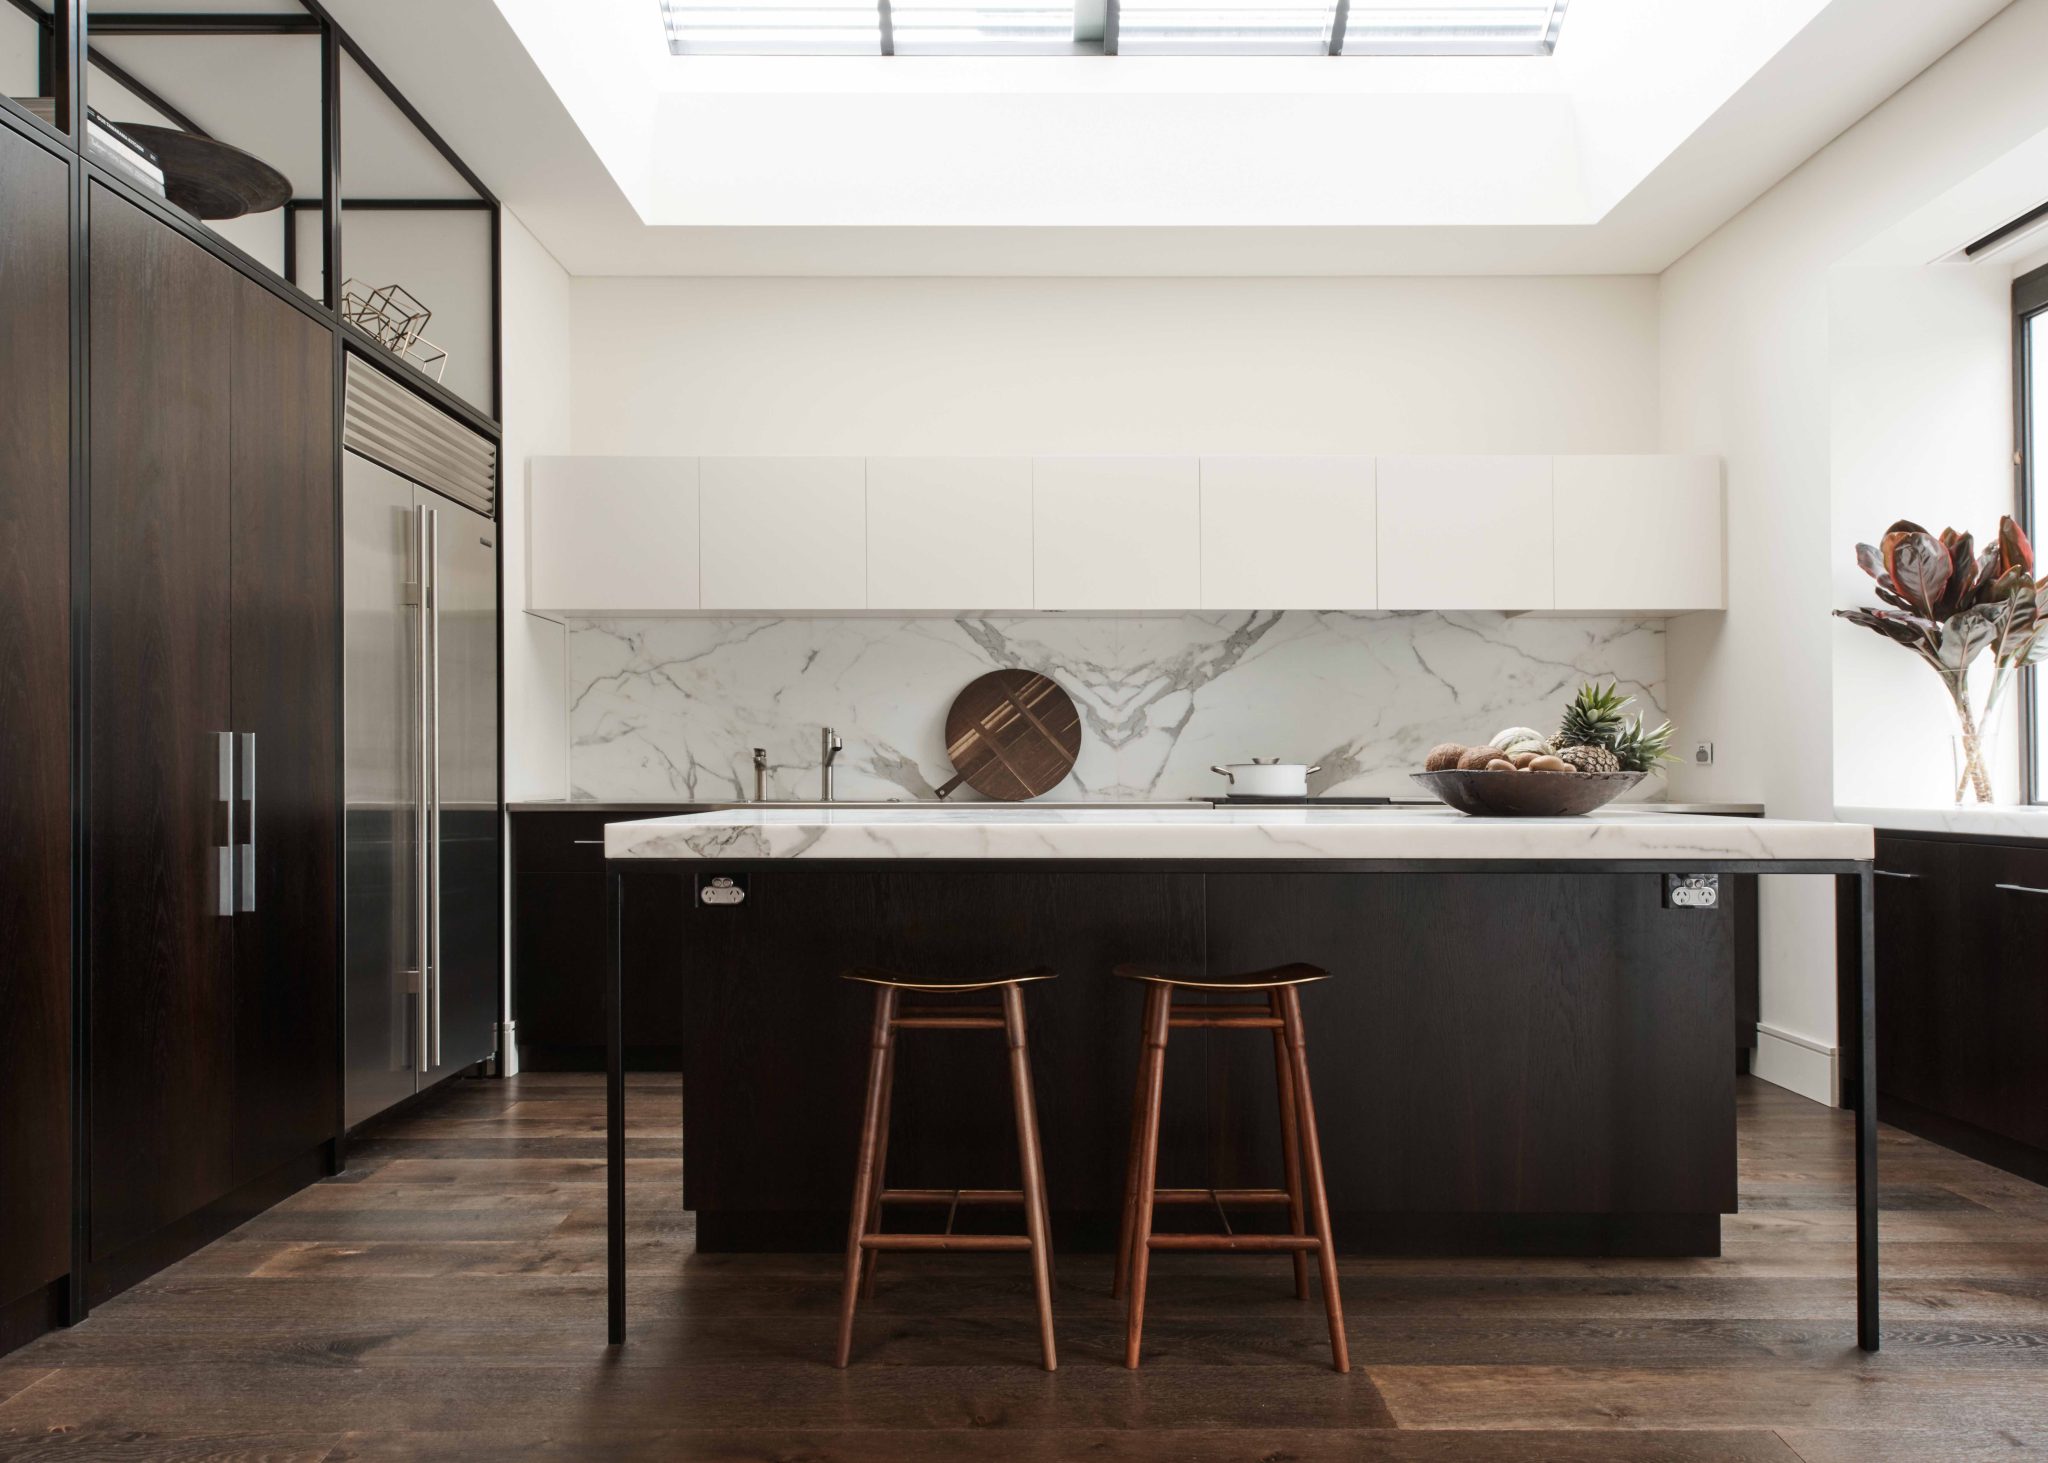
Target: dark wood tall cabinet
(35,731)
(214,716)
(286,647)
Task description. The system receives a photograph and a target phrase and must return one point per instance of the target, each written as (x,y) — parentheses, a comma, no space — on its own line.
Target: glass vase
(1974,749)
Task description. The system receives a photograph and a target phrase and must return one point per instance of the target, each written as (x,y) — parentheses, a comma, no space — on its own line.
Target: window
(1106,27)
(2030,395)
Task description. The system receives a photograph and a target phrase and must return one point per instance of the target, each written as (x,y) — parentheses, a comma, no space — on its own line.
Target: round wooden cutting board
(1012,735)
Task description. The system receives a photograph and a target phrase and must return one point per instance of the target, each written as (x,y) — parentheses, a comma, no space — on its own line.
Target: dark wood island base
(1520,1056)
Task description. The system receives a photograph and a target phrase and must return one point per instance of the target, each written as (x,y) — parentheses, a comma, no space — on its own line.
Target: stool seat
(1294,973)
(897,980)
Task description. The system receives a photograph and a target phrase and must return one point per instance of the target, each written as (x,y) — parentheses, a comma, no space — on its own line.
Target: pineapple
(1593,718)
(1640,749)
(1590,759)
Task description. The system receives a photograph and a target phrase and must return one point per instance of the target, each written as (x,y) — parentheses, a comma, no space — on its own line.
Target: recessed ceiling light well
(1112,27)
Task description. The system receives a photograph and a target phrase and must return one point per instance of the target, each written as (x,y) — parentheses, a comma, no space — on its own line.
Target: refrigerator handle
(249,813)
(434,750)
(422,893)
(224,851)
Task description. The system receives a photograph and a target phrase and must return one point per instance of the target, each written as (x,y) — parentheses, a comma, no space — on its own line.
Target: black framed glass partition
(2030,459)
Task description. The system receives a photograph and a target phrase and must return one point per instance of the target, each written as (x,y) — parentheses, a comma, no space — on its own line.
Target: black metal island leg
(615,1111)
(1861,887)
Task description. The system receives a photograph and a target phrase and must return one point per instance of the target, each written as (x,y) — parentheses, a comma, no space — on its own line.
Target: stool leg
(874,1257)
(883,1038)
(1312,1155)
(1290,1144)
(1139,1088)
(1033,1164)
(1157,1026)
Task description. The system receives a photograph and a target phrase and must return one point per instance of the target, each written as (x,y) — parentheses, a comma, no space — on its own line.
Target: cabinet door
(1289,533)
(35,720)
(2005,901)
(287,719)
(162,1094)
(1117,533)
(784,533)
(1465,533)
(613,535)
(1928,1019)
(1638,533)
(949,533)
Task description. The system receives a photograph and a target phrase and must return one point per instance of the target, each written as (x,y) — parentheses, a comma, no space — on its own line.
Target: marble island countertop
(1048,831)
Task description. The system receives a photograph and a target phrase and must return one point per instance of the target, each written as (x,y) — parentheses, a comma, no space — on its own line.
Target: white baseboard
(1797,1064)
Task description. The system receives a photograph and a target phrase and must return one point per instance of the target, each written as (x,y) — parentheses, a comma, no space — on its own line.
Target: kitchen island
(1523,1049)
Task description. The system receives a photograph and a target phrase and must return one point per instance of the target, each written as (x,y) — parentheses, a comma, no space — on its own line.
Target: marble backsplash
(671,710)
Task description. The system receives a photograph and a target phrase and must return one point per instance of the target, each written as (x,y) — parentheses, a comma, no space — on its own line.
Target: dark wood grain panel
(161,983)
(35,720)
(286,675)
(1928,1021)
(2005,907)
(1492,1044)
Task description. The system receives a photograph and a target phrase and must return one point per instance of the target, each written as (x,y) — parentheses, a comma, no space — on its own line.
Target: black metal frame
(1855,881)
(65,61)
(2029,299)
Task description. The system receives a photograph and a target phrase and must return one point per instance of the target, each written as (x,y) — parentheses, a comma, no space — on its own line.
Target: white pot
(1267,778)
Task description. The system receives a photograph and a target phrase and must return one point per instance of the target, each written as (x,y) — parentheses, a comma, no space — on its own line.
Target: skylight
(1125,27)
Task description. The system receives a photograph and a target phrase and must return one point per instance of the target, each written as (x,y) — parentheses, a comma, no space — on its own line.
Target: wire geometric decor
(393,316)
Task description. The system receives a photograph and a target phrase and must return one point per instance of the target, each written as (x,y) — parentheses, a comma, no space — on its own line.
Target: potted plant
(1948,604)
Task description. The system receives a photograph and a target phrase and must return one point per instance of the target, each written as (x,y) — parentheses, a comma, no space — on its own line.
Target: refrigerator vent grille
(388,424)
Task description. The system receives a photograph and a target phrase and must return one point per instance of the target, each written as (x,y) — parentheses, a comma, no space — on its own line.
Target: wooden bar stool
(1301,1154)
(865,1240)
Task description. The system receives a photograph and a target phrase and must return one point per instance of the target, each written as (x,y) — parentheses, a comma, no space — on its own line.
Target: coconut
(1476,759)
(1443,757)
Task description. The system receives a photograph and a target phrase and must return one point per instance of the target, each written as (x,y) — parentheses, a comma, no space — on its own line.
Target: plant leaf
(1919,565)
(2014,552)
(1964,637)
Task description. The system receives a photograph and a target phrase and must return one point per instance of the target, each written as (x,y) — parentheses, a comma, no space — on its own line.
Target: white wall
(1921,369)
(990,366)
(1745,325)
(536,416)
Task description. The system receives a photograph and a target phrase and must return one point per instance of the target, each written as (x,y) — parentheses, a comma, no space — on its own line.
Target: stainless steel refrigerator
(420,605)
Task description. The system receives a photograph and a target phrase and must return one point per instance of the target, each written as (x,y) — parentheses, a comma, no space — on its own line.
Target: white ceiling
(1641,135)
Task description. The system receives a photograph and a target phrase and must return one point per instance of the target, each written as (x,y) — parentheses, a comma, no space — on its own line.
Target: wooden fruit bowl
(1527,794)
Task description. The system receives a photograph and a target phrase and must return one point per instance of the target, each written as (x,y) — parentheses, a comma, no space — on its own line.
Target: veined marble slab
(671,710)
(2003,820)
(1047,831)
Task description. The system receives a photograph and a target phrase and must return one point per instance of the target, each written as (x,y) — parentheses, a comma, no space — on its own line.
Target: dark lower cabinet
(35,733)
(1962,1006)
(214,1062)
(558,951)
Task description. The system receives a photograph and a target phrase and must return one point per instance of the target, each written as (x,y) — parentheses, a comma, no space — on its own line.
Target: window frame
(2029,302)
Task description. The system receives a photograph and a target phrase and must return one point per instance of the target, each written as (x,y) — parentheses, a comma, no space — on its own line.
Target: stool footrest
(952,1196)
(1189,1021)
(1233,1242)
(1219,1196)
(945,1241)
(936,1022)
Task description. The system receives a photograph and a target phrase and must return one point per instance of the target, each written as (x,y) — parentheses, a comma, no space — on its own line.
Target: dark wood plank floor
(444,1300)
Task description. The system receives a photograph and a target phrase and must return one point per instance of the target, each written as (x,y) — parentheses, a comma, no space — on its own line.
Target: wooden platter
(1012,735)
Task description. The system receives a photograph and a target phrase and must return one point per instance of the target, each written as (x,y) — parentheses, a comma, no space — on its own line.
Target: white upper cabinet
(1288,533)
(1117,533)
(612,535)
(1465,533)
(1639,534)
(949,533)
(784,533)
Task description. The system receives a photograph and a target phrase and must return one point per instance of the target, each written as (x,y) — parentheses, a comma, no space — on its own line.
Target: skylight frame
(1448,28)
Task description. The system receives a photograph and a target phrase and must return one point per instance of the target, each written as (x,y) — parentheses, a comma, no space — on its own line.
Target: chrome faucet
(760,774)
(831,747)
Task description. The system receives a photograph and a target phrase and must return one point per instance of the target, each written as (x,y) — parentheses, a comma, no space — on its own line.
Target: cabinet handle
(224,851)
(249,812)
(599,842)
(2019,889)
(1894,874)
(433,559)
(423,893)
